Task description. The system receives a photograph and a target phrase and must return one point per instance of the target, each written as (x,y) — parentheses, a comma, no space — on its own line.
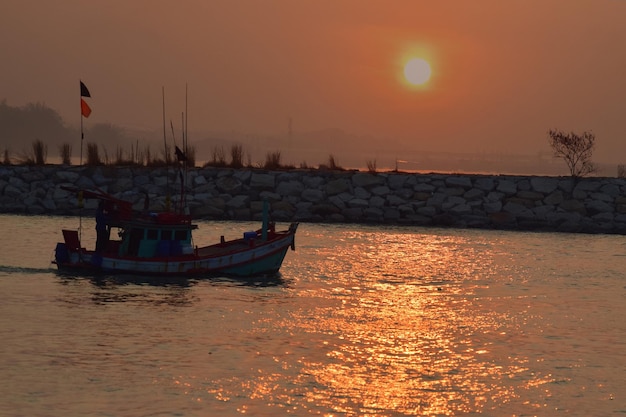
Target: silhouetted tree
(575,149)
(19,125)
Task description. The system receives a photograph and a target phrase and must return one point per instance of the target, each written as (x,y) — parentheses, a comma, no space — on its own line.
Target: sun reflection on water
(408,335)
(401,330)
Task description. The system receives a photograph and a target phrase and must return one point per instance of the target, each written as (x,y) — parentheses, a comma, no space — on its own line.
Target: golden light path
(400,330)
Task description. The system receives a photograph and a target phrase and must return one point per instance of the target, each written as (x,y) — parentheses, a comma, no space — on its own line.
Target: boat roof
(158,220)
(119,213)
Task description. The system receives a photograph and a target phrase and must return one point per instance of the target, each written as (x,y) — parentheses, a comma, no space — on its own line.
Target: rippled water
(379,321)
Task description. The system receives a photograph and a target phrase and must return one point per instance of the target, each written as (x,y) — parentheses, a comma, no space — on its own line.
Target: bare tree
(575,149)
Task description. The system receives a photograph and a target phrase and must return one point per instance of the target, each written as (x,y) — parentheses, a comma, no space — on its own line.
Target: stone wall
(590,205)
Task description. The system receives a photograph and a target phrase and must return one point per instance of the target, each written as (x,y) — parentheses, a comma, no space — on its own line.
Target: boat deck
(223,249)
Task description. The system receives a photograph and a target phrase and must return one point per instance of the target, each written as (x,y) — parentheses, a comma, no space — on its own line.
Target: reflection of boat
(161,244)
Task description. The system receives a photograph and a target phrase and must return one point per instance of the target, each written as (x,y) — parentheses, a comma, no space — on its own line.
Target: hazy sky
(503,71)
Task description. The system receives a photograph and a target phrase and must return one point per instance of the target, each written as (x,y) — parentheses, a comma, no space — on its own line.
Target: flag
(85,110)
(180,155)
(84,92)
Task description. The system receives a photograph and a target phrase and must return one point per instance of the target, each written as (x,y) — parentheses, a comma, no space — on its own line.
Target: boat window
(152,234)
(166,235)
(133,244)
(180,235)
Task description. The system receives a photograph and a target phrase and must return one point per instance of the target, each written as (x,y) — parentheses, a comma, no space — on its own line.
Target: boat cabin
(153,237)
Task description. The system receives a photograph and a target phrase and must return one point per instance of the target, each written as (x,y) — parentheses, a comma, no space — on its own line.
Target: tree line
(35,125)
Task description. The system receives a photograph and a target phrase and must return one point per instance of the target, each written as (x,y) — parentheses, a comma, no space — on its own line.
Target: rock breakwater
(588,205)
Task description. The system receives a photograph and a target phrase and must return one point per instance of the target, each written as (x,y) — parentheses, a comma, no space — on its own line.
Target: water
(363,321)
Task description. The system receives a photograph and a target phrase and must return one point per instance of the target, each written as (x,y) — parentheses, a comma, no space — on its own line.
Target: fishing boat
(161,244)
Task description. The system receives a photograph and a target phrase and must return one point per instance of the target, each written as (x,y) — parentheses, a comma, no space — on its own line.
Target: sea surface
(362,321)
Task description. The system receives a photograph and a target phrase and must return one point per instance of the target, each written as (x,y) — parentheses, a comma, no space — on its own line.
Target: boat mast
(185,145)
(166,156)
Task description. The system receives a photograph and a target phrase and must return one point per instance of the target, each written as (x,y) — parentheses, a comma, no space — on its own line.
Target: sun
(417,71)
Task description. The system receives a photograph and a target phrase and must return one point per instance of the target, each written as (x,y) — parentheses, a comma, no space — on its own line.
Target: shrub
(191,156)
(65,152)
(332,164)
(371,166)
(272,160)
(218,157)
(93,157)
(236,156)
(40,152)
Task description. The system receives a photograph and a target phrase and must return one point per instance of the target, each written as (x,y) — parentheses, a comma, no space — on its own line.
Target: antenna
(166,156)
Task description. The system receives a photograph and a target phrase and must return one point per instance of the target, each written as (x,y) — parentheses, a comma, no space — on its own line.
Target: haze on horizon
(503,73)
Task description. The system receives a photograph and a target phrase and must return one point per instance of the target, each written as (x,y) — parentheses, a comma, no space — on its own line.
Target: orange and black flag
(85,110)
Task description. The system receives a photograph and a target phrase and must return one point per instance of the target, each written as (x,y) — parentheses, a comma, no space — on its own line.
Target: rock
(313,196)
(337,201)
(262,181)
(397,181)
(485,184)
(587,185)
(595,206)
(599,196)
(313,181)
(67,176)
(230,185)
(324,209)
(290,188)
(270,196)
(337,187)
(366,180)
(377,201)
(243,175)
(358,203)
(573,206)
(381,190)
(530,195)
(391,214)
(516,209)
(474,194)
(13,191)
(199,180)
(544,185)
(554,198)
(141,180)
(611,190)
(463,182)
(492,207)
(395,201)
(373,214)
(360,192)
(506,187)
(424,188)
(238,202)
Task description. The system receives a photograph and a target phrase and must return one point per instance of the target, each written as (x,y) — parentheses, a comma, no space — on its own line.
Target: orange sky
(504,72)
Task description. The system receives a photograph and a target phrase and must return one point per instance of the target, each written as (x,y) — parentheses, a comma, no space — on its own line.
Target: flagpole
(82,136)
